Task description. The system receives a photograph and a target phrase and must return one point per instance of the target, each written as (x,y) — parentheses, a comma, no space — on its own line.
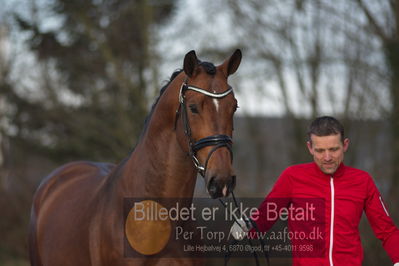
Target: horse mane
(148,118)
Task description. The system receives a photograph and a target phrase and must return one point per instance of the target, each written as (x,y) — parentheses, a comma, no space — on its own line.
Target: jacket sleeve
(381,222)
(278,198)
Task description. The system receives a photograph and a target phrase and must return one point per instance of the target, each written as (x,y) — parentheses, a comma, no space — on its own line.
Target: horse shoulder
(63,209)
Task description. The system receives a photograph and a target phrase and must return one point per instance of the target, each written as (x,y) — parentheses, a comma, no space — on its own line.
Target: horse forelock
(209,68)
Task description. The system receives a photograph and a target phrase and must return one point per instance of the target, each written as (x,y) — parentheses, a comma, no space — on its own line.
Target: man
(345,192)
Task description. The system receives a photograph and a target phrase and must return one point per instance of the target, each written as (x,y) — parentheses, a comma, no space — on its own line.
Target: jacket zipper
(331,221)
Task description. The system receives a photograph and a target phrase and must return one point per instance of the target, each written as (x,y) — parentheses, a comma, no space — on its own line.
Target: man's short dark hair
(326,126)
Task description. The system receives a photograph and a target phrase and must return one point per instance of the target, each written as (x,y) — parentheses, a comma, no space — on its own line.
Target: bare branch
(373,23)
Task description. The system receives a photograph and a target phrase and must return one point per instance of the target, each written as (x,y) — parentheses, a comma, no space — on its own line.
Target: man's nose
(327,156)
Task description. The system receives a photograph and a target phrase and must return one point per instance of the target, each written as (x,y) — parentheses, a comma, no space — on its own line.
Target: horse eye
(193,108)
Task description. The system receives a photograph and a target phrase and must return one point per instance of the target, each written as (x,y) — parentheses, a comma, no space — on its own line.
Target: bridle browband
(217,141)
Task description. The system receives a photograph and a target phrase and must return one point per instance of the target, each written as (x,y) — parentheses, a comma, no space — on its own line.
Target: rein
(218,141)
(248,223)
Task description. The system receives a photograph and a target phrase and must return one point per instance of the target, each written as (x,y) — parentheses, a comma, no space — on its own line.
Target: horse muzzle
(220,186)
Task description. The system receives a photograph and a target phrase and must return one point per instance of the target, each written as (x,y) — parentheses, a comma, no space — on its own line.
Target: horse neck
(159,167)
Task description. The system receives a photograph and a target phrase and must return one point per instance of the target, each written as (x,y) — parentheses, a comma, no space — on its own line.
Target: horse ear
(230,65)
(190,63)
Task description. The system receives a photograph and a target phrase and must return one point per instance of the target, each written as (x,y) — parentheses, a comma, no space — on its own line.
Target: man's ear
(346,144)
(309,144)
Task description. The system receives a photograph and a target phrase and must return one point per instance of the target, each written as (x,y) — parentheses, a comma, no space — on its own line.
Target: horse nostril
(212,188)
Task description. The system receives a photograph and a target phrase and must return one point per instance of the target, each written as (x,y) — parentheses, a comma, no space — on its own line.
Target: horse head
(207,106)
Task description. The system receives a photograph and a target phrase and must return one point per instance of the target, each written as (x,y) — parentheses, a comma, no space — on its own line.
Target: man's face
(328,151)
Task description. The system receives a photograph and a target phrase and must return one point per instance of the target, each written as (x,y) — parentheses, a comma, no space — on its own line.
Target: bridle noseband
(218,141)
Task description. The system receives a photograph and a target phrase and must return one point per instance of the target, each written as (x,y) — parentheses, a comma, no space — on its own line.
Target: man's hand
(240,228)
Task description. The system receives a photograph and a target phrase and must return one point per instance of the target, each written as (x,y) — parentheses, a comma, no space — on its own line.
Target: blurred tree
(95,65)
(5,66)
(382,20)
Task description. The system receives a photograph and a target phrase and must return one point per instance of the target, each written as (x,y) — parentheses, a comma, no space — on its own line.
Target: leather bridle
(217,141)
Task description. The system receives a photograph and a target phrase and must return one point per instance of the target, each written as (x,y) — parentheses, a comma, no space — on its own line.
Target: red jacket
(345,196)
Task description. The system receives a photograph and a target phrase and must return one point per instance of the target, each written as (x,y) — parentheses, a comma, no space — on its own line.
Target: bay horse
(77,212)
